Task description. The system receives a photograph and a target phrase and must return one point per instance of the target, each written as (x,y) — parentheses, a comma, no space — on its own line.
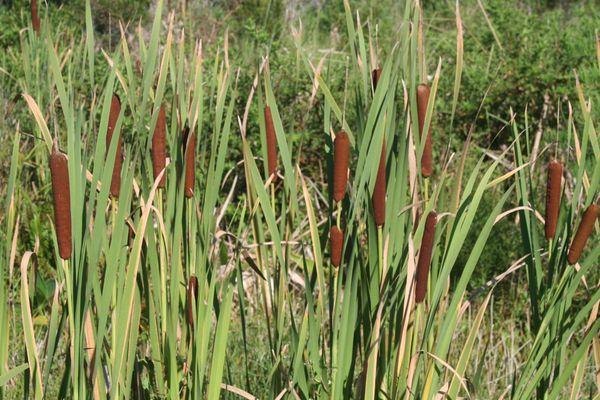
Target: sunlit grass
(222,284)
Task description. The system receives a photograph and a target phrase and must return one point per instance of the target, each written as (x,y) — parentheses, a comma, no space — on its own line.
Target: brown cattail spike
(341,158)
(271,143)
(35,18)
(375,76)
(336,237)
(113,117)
(379,191)
(586,227)
(159,147)
(427,158)
(192,297)
(190,157)
(555,171)
(425,257)
(59,169)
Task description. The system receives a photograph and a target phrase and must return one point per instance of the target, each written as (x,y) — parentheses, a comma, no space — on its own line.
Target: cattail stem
(427,157)
(271,144)
(553,193)
(35,18)
(341,159)
(380,253)
(113,117)
(586,227)
(425,257)
(59,169)
(380,190)
(159,147)
(190,158)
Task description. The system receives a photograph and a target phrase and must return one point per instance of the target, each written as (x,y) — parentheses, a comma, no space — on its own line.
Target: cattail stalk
(425,257)
(555,171)
(336,237)
(113,117)
(190,157)
(271,143)
(586,227)
(379,190)
(341,158)
(427,158)
(59,169)
(35,18)
(159,147)
(192,297)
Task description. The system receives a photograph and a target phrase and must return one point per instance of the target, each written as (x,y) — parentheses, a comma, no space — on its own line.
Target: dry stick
(113,117)
(35,18)
(555,171)
(271,144)
(425,257)
(584,231)
(159,147)
(59,169)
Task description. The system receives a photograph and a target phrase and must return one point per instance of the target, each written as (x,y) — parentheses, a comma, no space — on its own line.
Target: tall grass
(120,294)
(162,237)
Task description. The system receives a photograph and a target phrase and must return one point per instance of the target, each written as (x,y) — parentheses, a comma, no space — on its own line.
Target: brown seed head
(375,76)
(159,147)
(341,158)
(336,238)
(113,117)
(271,143)
(427,158)
(59,169)
(192,297)
(586,227)
(379,190)
(555,171)
(425,257)
(35,18)
(190,158)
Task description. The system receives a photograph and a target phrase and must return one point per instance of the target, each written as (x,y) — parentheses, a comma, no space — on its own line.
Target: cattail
(375,76)
(341,157)
(427,158)
(425,257)
(159,147)
(192,297)
(35,18)
(113,117)
(59,169)
(336,237)
(379,190)
(583,233)
(190,157)
(555,171)
(271,143)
